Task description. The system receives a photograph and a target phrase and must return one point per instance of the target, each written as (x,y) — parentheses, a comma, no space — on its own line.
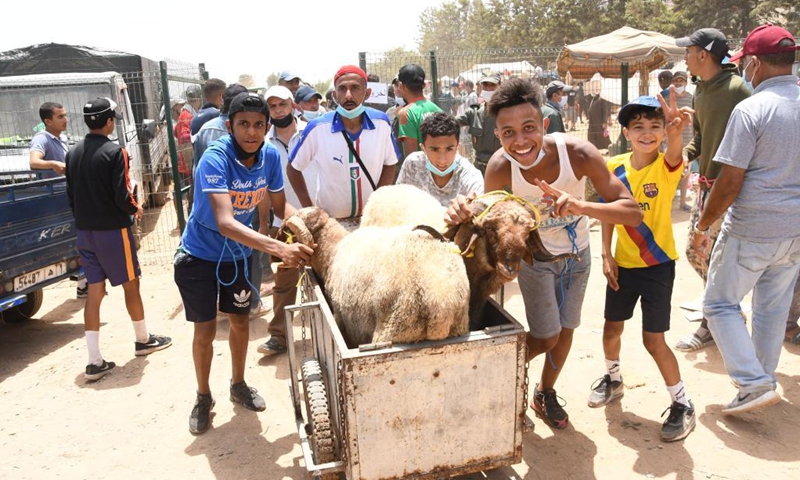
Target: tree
(272,79)
(735,18)
(322,86)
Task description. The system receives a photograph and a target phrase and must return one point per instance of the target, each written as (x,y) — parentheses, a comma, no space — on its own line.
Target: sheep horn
(432,231)
(296,225)
(470,246)
(540,253)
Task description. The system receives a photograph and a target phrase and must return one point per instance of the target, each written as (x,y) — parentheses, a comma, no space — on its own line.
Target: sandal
(794,339)
(686,208)
(693,342)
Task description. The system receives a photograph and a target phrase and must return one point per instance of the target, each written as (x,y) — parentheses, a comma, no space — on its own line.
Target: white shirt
(310,174)
(343,189)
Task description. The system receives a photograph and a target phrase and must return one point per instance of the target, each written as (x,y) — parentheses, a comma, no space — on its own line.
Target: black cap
(709,39)
(101,107)
(229,94)
(248,102)
(412,75)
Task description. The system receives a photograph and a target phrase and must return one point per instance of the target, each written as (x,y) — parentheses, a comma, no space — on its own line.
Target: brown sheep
(502,233)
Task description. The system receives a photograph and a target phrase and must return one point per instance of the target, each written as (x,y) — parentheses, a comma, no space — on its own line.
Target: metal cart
(415,411)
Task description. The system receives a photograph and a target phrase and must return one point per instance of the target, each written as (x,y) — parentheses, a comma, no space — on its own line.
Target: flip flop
(693,342)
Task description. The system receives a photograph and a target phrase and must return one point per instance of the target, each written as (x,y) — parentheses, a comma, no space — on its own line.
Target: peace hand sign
(565,204)
(677,118)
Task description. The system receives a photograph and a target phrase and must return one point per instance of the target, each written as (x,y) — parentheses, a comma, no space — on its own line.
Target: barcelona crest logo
(650,190)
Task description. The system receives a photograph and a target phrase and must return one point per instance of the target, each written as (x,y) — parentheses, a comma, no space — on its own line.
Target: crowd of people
(254,159)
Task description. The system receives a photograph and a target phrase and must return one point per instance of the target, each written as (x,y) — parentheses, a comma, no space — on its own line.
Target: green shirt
(410,118)
(481,127)
(551,111)
(713,103)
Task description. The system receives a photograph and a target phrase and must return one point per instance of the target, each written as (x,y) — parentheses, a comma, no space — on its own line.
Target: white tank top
(554,231)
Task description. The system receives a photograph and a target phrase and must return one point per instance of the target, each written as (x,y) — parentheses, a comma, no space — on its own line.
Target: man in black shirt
(99,191)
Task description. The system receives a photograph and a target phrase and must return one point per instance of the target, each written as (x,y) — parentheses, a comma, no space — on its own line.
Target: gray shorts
(544,285)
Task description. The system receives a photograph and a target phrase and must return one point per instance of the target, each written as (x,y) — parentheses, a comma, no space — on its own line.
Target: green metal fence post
(203,71)
(362,60)
(434,78)
(173,149)
(623,143)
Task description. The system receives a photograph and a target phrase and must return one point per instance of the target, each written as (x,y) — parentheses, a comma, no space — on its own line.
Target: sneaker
(752,401)
(604,391)
(247,396)
(96,372)
(200,419)
(154,343)
(694,342)
(680,422)
(273,346)
(82,292)
(547,407)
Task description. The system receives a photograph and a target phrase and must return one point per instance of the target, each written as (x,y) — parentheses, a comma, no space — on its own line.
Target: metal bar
(178,78)
(173,149)
(313,468)
(362,60)
(374,346)
(434,78)
(203,72)
(295,386)
(623,143)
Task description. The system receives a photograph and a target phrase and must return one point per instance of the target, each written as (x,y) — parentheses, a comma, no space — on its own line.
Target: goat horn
(296,225)
(431,231)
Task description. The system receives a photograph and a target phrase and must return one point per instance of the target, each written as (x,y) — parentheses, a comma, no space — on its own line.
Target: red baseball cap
(764,40)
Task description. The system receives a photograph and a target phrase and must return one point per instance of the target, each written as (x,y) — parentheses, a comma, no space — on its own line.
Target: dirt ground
(134,422)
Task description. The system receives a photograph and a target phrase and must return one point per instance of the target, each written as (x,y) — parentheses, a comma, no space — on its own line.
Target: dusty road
(133,424)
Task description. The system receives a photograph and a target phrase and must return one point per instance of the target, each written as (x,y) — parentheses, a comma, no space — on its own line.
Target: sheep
(387,284)
(500,235)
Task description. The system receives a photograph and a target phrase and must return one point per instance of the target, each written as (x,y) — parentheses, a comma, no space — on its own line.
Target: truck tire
(25,311)
(317,401)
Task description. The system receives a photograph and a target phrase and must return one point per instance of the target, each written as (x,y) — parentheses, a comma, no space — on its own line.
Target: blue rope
(567,270)
(236,251)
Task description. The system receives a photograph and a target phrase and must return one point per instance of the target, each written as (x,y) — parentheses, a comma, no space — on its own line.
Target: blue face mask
(431,168)
(351,114)
(747,82)
(311,114)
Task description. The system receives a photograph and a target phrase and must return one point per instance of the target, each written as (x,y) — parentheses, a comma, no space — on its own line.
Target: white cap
(278,91)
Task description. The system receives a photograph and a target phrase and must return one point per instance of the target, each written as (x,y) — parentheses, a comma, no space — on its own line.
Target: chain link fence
(141,88)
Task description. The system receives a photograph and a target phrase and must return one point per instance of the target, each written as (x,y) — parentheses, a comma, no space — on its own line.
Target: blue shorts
(108,254)
(546,285)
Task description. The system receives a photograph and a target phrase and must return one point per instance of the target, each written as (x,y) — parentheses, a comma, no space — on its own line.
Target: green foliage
(462,25)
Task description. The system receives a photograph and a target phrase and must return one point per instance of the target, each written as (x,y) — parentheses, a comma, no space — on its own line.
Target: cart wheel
(317,401)
(24,311)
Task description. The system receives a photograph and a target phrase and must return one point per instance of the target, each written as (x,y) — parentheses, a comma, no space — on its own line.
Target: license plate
(28,280)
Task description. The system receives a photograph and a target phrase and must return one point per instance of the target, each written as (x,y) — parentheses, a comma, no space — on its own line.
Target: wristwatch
(697,231)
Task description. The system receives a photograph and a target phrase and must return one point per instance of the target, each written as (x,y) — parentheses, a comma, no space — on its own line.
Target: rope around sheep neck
(508,196)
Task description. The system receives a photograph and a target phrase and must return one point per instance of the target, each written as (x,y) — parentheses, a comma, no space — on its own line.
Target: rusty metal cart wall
(419,411)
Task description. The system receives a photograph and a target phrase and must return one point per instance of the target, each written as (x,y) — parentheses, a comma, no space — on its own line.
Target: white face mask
(399,101)
(680,90)
(521,166)
(563,102)
(487,95)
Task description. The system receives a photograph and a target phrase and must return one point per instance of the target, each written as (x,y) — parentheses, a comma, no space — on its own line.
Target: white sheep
(387,284)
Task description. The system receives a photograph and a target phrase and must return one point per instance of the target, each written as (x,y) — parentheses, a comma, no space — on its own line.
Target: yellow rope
(509,196)
(300,280)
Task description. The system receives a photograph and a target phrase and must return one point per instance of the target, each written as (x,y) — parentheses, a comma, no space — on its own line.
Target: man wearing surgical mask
(481,125)
(352,147)
(308,100)
(556,102)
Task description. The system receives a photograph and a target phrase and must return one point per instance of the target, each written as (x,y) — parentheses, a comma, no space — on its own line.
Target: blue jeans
(770,270)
